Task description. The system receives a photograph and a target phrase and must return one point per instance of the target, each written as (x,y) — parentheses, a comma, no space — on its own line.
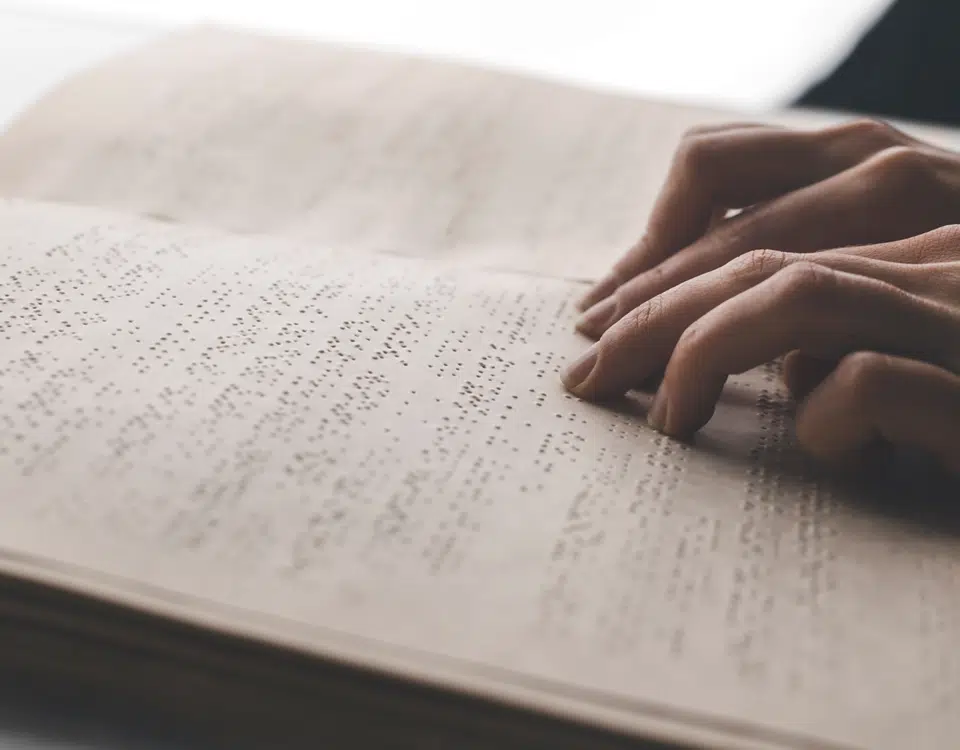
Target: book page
(363,150)
(352,148)
(355,149)
(372,459)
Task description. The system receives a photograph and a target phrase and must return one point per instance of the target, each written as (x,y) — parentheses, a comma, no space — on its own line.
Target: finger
(609,283)
(941,245)
(798,309)
(935,255)
(643,341)
(870,396)
(736,167)
(723,127)
(719,215)
(932,257)
(803,373)
(851,208)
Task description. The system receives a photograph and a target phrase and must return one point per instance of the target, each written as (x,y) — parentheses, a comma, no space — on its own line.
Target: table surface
(747,54)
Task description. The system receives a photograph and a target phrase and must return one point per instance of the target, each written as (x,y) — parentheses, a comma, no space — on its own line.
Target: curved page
(372,459)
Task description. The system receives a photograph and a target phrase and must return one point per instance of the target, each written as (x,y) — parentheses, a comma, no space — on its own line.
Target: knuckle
(938,245)
(948,234)
(862,375)
(865,136)
(805,282)
(697,155)
(904,166)
(757,265)
(646,314)
(871,130)
(697,131)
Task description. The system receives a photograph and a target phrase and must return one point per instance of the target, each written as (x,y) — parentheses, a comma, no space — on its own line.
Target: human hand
(800,191)
(871,332)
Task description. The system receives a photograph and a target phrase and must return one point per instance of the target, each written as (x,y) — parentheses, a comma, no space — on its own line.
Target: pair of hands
(844,257)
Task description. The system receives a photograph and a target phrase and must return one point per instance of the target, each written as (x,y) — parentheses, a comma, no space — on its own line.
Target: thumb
(870,396)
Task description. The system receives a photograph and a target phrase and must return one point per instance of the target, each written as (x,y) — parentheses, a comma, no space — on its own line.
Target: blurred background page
(747,54)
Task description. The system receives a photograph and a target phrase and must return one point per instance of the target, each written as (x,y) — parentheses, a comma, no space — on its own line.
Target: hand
(871,333)
(855,184)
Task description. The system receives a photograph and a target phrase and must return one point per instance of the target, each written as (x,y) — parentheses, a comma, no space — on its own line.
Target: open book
(284,453)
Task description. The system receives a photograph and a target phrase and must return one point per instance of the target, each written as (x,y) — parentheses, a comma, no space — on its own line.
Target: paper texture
(377,448)
(359,150)
(355,149)
(371,457)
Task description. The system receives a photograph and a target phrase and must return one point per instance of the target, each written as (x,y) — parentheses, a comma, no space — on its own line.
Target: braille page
(362,150)
(372,458)
(353,148)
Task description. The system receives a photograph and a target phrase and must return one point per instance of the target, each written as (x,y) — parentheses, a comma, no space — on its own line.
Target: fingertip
(587,301)
(598,375)
(659,412)
(691,401)
(912,404)
(595,321)
(857,459)
(577,374)
(828,428)
(598,292)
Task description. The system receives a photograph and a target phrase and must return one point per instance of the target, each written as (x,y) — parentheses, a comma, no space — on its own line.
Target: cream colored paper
(356,149)
(372,458)
(359,149)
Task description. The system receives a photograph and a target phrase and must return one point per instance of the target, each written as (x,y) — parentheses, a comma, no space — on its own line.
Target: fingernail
(657,416)
(598,318)
(577,373)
